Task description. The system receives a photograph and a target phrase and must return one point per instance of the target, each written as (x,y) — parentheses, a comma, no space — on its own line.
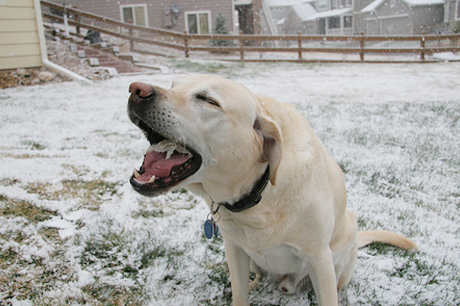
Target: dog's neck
(251,199)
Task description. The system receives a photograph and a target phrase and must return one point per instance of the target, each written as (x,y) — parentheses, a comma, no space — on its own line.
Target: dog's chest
(262,237)
(280,259)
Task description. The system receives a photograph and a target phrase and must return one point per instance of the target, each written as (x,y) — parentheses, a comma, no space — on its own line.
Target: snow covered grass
(73,232)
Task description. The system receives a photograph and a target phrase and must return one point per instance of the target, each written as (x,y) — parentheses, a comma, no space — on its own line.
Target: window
(446,11)
(344,3)
(347,21)
(322,5)
(333,22)
(198,22)
(135,14)
(334,4)
(457,10)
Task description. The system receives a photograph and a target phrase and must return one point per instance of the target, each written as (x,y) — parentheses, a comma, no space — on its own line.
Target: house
(286,21)
(338,21)
(22,41)
(322,17)
(297,19)
(401,17)
(22,38)
(195,17)
(452,15)
(280,8)
(373,17)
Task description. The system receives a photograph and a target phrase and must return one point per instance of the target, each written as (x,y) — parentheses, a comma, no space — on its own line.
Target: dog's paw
(253,284)
(288,286)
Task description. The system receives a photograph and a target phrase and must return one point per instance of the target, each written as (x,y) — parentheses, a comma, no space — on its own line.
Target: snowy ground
(73,232)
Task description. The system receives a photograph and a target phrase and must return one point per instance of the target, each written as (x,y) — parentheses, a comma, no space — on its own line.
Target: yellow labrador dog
(277,195)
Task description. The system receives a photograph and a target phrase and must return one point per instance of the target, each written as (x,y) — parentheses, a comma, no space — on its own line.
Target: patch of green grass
(119,253)
(219,274)
(362,223)
(32,262)
(148,213)
(90,194)
(149,208)
(78,170)
(104,294)
(25,155)
(102,155)
(376,248)
(414,267)
(11,208)
(180,199)
(33,145)
(9,182)
(109,246)
(202,67)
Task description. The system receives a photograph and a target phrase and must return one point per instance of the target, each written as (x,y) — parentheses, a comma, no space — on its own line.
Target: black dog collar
(253,198)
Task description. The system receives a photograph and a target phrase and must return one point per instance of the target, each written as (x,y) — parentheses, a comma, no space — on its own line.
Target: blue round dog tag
(208,229)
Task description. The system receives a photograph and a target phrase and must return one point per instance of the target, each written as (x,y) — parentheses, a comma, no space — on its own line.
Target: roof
(304,11)
(272,3)
(374,5)
(330,13)
(243,2)
(424,2)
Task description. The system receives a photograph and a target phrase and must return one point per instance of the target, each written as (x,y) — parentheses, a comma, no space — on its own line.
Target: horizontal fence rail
(141,39)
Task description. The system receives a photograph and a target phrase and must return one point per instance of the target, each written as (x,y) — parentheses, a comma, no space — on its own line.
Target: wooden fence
(300,47)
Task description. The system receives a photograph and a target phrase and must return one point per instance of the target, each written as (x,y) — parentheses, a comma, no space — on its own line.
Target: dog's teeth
(136,173)
(152,179)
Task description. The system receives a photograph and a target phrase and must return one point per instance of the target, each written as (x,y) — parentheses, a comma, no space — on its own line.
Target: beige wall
(19,38)
(156,10)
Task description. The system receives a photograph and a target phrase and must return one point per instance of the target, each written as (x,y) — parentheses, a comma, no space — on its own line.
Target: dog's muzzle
(167,162)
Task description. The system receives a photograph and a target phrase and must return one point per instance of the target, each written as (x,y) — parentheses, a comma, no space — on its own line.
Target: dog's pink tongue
(156,164)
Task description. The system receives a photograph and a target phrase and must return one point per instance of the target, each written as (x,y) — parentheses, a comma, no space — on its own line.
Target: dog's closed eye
(256,125)
(205,98)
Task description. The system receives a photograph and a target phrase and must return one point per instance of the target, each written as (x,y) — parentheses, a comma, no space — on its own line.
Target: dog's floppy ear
(272,143)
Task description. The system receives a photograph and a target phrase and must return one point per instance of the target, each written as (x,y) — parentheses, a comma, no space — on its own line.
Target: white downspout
(44,53)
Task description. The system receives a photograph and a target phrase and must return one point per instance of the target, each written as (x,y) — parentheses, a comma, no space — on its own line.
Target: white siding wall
(19,42)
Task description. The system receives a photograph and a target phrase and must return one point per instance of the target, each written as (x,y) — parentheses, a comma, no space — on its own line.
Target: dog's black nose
(140,91)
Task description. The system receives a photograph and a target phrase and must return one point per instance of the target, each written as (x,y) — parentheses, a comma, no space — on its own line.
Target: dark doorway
(245,18)
(322,26)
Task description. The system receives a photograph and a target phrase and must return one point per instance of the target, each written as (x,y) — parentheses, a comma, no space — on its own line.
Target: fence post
(299,43)
(186,44)
(422,47)
(66,24)
(78,23)
(361,46)
(131,42)
(241,47)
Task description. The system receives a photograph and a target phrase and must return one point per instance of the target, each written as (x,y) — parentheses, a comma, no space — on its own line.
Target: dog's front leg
(238,265)
(322,275)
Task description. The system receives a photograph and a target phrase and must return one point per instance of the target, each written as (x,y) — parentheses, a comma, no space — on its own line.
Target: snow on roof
(304,11)
(243,2)
(374,5)
(272,3)
(331,13)
(424,2)
(281,21)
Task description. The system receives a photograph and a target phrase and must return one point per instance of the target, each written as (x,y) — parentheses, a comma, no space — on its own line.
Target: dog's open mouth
(165,164)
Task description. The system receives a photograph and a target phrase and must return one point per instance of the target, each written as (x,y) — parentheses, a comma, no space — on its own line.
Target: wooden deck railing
(299,45)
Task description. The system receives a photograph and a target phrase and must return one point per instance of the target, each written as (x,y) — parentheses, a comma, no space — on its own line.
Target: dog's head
(205,130)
